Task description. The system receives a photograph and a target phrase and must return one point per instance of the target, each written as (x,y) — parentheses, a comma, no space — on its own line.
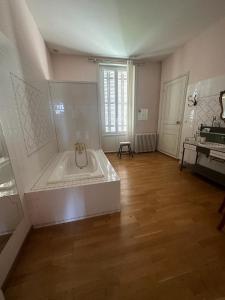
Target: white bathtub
(67,170)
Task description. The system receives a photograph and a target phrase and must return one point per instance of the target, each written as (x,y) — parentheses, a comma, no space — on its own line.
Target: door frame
(161,106)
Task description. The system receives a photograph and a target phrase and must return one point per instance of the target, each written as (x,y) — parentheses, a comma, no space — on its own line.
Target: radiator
(145,142)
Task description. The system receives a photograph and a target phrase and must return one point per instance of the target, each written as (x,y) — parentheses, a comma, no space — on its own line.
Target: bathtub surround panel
(73,203)
(69,200)
(76,115)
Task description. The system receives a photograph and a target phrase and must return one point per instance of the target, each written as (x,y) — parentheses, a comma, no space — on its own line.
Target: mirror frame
(222,105)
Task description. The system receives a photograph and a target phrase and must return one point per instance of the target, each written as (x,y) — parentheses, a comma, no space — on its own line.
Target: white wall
(76,114)
(28,58)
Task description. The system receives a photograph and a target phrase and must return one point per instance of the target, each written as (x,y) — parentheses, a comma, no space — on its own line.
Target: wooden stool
(221,210)
(129,150)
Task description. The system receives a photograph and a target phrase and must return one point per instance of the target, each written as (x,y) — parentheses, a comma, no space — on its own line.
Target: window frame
(114,68)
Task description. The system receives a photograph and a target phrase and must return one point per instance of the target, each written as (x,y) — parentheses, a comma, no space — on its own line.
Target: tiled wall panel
(34,114)
(207,94)
(76,115)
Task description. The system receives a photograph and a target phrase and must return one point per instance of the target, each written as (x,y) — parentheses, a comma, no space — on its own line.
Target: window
(59,108)
(114,99)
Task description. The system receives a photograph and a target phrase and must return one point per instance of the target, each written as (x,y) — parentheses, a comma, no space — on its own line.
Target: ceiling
(123,28)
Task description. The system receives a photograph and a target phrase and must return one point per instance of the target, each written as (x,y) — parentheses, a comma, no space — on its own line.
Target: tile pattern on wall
(207,108)
(34,114)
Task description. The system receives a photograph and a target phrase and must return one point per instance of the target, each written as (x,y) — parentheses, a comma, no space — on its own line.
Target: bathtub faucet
(79,147)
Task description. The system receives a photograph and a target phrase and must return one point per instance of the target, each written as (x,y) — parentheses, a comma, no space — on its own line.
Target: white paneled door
(172,109)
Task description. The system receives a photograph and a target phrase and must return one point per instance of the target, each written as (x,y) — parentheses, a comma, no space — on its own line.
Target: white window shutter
(114,100)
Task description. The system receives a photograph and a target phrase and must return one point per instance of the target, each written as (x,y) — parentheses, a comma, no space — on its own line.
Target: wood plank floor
(163,245)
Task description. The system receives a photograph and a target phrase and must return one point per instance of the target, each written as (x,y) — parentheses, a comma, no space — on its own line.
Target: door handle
(178,122)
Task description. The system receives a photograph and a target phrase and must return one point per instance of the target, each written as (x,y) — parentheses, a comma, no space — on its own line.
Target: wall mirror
(222,103)
(10,205)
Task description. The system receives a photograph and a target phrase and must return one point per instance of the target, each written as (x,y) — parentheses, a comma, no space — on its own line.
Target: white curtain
(131,100)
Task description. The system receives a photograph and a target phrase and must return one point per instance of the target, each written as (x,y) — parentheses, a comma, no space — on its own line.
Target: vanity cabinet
(212,153)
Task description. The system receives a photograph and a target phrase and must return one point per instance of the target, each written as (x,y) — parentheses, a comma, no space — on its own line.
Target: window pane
(115,100)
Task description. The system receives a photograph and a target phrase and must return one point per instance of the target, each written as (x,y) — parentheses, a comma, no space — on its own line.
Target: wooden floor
(163,245)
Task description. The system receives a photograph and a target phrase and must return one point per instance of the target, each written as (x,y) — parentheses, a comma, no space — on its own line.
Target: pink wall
(34,55)
(78,68)
(203,56)
(73,68)
(147,95)
(17,23)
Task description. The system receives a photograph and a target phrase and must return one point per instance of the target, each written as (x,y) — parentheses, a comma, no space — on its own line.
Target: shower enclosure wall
(76,116)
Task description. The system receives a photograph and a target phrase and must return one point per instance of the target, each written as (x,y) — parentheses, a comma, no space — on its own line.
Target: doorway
(172,110)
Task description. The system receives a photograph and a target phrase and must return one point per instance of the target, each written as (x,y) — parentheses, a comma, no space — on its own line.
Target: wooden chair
(221,210)
(128,150)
